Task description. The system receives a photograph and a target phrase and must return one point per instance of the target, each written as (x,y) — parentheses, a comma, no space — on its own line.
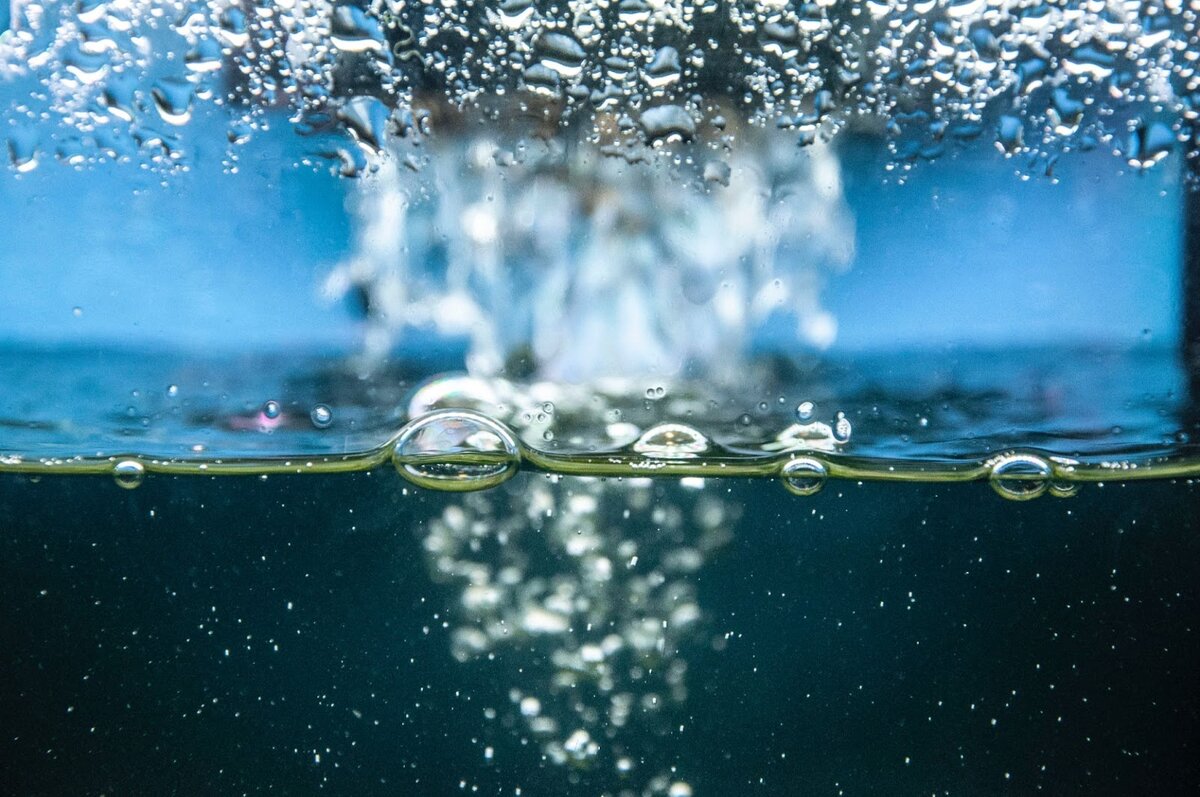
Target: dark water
(879,639)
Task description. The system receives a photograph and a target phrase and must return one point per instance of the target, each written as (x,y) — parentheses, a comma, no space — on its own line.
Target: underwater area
(630,398)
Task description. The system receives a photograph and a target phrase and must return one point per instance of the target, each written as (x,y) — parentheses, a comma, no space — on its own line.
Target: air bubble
(272,410)
(1064,489)
(671,441)
(804,476)
(321,416)
(804,411)
(129,474)
(1021,477)
(456,450)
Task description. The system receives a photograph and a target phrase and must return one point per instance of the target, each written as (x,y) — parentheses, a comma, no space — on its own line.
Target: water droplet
(842,428)
(561,53)
(804,476)
(668,122)
(23,149)
(353,31)
(664,69)
(1148,144)
(272,410)
(514,14)
(366,120)
(172,391)
(456,450)
(804,411)
(173,99)
(1020,477)
(129,474)
(321,416)
(1010,137)
(717,171)
(671,441)
(204,57)
(540,79)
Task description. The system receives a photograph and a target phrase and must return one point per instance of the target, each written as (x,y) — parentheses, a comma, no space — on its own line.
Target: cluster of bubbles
(584,591)
(1038,77)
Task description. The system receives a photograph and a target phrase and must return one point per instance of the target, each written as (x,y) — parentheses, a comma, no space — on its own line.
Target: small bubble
(129,474)
(172,391)
(1020,477)
(272,410)
(321,416)
(77,312)
(1064,489)
(804,412)
(804,476)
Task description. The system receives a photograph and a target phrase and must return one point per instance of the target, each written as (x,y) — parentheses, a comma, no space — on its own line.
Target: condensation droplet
(321,416)
(842,428)
(804,476)
(668,122)
(1020,477)
(456,450)
(129,474)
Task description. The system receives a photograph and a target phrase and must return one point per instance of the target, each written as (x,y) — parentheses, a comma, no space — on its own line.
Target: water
(406,604)
(638,398)
(223,633)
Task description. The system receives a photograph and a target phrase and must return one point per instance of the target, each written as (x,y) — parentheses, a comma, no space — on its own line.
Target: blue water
(217,636)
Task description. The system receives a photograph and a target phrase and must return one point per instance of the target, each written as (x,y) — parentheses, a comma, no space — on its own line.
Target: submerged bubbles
(1020,477)
(456,450)
(1064,489)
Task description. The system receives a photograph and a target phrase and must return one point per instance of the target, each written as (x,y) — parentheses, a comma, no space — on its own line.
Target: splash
(560,262)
